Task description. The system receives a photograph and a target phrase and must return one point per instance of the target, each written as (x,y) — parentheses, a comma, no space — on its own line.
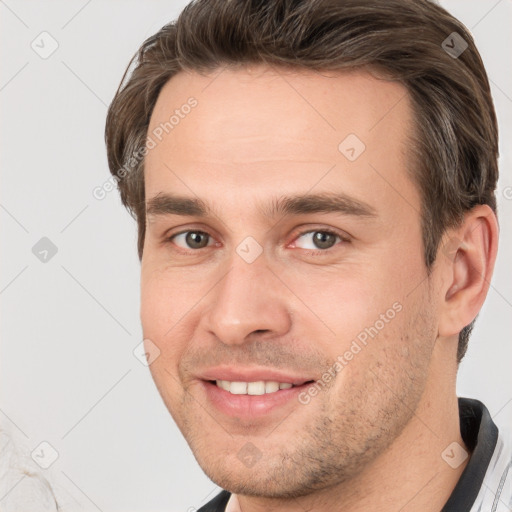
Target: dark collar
(217,504)
(479,434)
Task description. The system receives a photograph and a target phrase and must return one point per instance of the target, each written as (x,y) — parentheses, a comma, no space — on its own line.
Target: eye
(191,239)
(314,241)
(319,240)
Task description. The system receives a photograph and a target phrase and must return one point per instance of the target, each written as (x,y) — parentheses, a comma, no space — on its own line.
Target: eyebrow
(169,204)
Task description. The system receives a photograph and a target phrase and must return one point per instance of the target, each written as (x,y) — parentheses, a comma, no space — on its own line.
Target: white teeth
(224,384)
(256,388)
(271,387)
(238,388)
(252,388)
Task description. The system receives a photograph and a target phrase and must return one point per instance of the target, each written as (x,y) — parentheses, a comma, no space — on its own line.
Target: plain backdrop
(70,324)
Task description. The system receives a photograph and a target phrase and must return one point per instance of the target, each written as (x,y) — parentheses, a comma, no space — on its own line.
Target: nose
(248,300)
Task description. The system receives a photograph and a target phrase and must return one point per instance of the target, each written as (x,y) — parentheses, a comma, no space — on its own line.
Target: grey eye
(320,239)
(192,239)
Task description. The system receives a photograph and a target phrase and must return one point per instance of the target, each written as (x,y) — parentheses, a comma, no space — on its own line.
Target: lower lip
(251,406)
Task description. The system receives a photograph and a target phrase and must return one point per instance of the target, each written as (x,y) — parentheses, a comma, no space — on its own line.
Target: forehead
(257,128)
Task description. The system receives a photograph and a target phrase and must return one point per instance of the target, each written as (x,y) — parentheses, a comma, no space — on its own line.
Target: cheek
(371,315)
(163,314)
(164,301)
(386,363)
(343,303)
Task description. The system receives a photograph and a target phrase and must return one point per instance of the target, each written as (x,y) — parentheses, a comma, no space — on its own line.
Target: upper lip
(251,374)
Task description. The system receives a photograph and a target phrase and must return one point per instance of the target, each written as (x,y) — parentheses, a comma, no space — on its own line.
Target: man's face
(334,301)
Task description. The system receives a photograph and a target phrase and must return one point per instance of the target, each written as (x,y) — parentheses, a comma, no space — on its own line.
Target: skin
(373,437)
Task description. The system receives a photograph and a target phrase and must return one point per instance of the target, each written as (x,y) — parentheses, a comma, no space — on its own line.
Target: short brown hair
(456,141)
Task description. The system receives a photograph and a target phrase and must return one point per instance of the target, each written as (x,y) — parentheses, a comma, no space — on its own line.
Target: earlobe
(469,256)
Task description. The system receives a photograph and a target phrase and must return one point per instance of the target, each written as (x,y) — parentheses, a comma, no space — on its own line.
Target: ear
(468,256)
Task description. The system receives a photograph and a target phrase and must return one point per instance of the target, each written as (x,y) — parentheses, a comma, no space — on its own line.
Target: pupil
(323,240)
(194,239)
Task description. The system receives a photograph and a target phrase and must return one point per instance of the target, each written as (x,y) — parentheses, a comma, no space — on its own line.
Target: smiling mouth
(254,388)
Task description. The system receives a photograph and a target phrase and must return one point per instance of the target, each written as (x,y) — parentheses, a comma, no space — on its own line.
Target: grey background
(68,375)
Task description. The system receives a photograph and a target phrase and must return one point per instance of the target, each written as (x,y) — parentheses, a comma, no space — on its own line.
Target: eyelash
(310,252)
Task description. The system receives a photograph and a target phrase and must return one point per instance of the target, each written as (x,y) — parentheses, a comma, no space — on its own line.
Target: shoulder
(496,491)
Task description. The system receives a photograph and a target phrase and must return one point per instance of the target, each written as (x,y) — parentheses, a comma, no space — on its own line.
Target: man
(314,189)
